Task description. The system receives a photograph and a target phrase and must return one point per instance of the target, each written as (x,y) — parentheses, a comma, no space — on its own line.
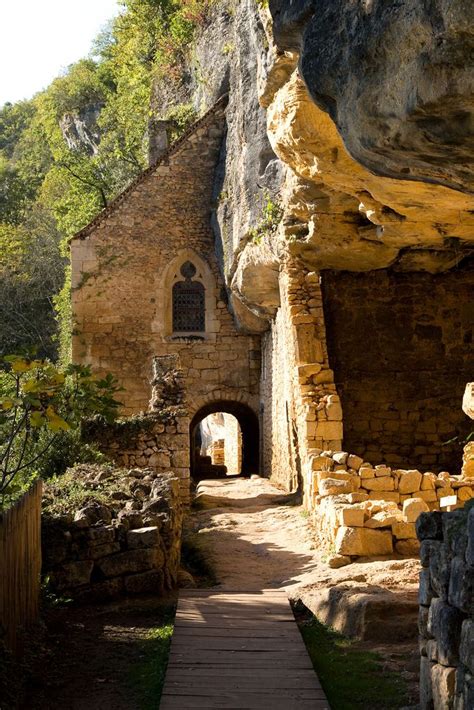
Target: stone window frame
(166,279)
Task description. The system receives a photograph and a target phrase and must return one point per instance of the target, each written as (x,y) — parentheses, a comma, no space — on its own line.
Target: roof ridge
(222,101)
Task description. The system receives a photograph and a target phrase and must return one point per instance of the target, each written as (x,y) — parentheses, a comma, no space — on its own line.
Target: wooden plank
(257,684)
(186,631)
(239,650)
(223,643)
(199,671)
(237,702)
(213,691)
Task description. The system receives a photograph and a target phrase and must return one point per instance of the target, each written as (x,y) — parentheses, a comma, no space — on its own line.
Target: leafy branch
(38,401)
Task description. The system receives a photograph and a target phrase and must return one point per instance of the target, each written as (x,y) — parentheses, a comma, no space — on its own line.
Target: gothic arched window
(189,313)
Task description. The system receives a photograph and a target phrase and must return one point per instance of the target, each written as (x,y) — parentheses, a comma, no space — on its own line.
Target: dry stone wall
(363,510)
(301,407)
(130,545)
(446,618)
(146,442)
(360,508)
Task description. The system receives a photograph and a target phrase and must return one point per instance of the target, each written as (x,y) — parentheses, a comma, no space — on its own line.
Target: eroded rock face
(80,130)
(356,220)
(231,55)
(358,98)
(396,78)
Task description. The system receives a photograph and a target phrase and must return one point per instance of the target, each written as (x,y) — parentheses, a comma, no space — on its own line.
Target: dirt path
(253,534)
(257,537)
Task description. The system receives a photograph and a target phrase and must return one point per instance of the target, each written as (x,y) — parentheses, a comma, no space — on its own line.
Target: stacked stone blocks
(127,547)
(446,618)
(363,509)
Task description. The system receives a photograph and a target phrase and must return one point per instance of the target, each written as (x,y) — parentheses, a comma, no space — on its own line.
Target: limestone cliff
(231,55)
(357,118)
(371,114)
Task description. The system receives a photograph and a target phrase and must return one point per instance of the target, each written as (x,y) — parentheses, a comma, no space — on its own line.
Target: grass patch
(147,677)
(351,678)
(194,560)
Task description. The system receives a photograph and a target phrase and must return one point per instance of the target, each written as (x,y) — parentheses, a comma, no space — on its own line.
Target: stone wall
(130,545)
(401,349)
(146,442)
(446,620)
(362,510)
(123,268)
(232,445)
(301,408)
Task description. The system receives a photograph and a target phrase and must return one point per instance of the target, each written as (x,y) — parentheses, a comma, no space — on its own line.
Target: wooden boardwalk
(239,650)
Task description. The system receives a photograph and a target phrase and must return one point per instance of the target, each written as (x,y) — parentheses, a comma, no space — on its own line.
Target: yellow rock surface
(363,542)
(413,507)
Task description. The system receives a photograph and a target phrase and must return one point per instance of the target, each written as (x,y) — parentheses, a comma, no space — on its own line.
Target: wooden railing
(20,566)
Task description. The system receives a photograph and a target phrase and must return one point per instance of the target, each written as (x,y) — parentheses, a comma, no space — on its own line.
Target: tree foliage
(72,148)
(39,402)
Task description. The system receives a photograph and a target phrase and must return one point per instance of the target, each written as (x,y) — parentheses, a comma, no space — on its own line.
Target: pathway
(242,649)
(239,650)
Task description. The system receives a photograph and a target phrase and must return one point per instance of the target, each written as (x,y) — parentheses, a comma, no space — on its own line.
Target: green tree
(38,402)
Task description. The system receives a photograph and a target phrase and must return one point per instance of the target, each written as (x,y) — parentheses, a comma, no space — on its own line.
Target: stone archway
(249,427)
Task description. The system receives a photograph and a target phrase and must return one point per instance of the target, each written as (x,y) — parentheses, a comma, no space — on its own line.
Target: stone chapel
(146,285)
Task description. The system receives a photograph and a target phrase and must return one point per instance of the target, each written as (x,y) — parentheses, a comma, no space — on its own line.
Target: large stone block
(363,542)
(413,507)
(408,548)
(102,550)
(333,486)
(321,463)
(393,496)
(354,462)
(409,481)
(470,538)
(378,484)
(72,574)
(329,431)
(426,692)
(151,582)
(131,561)
(143,537)
(425,591)
(444,624)
(461,585)
(442,682)
(423,619)
(351,517)
(466,647)
(425,552)
(101,534)
(404,531)
(383,519)
(440,568)
(429,526)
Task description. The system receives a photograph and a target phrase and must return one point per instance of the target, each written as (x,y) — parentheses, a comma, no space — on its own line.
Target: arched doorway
(249,441)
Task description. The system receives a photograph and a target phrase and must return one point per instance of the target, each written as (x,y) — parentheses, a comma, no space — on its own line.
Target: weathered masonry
(147,288)
(385,353)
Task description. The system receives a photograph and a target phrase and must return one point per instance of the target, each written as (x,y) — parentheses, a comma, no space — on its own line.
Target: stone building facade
(146,287)
(150,299)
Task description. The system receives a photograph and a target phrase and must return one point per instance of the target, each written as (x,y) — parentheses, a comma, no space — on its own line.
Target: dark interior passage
(401,346)
(249,441)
